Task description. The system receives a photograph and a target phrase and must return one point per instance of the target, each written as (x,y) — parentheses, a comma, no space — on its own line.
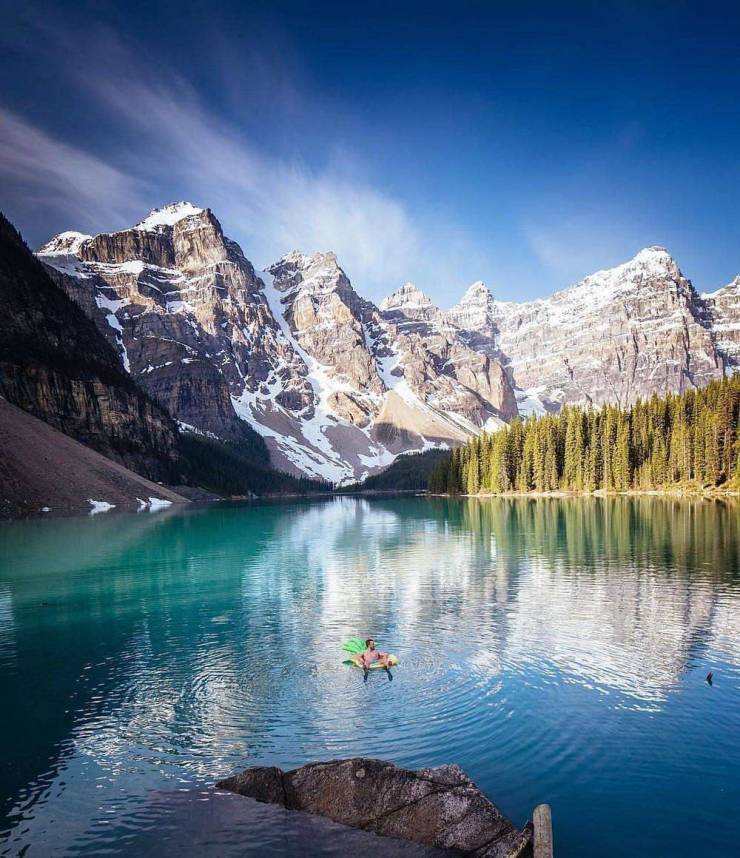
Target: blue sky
(525,145)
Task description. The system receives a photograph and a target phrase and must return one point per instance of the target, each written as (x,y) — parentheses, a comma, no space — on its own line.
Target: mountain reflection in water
(556,648)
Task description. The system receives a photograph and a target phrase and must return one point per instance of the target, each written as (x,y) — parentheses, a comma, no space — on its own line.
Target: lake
(556,649)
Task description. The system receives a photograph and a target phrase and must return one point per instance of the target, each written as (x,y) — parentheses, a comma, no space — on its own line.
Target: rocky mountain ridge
(616,336)
(723,311)
(338,386)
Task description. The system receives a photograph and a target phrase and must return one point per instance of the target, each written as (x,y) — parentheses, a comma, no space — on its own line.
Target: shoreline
(706,494)
(84,510)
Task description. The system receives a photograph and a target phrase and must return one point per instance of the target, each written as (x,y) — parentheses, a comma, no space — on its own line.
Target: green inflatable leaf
(356,645)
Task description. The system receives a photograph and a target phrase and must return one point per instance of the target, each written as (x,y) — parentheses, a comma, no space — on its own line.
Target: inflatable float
(357,646)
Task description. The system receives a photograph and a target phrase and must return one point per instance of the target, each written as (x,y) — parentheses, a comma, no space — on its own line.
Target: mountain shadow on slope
(409,472)
(230,468)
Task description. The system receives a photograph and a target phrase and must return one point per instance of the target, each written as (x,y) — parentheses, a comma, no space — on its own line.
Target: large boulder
(438,807)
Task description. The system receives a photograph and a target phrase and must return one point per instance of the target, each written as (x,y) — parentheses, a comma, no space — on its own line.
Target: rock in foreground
(438,807)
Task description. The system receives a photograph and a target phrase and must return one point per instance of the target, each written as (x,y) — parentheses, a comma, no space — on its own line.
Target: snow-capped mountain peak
(406,298)
(654,260)
(723,306)
(318,272)
(649,262)
(167,215)
(475,293)
(475,310)
(655,252)
(732,286)
(64,243)
(295,258)
(315,262)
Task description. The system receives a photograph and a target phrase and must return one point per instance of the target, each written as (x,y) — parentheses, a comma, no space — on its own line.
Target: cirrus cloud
(165,142)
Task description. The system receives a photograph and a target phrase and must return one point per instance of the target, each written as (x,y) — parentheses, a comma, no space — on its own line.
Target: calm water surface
(556,649)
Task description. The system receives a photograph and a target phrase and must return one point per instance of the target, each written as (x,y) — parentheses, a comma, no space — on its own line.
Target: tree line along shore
(680,442)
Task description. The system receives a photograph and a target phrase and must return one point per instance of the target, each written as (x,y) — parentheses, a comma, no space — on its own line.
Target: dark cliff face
(129,244)
(55,364)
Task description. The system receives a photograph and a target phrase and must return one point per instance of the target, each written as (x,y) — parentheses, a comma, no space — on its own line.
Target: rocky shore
(439,807)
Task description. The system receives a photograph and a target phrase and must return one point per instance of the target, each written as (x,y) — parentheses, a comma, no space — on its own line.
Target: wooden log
(542,820)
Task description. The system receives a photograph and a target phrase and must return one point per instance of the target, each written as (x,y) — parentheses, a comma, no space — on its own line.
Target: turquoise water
(556,649)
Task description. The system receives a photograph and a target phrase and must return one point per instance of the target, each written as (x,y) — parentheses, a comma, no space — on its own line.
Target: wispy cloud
(578,245)
(62,176)
(174,145)
(274,205)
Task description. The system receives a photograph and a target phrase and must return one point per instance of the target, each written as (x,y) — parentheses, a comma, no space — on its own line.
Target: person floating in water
(370,655)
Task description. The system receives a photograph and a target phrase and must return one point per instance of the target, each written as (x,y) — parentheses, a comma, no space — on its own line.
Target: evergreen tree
(658,442)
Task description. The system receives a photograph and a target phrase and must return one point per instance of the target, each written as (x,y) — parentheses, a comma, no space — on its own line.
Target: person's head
(370,643)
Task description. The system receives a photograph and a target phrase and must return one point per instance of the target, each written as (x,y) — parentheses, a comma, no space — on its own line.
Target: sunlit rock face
(723,308)
(185,311)
(439,365)
(476,315)
(327,319)
(618,335)
(336,386)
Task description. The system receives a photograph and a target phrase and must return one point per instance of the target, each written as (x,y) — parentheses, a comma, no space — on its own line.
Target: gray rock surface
(723,310)
(195,823)
(42,469)
(438,807)
(618,335)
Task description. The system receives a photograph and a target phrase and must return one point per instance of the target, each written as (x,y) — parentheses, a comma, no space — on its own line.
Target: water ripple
(556,650)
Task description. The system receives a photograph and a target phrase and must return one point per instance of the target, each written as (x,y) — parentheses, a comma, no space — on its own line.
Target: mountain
(181,306)
(335,385)
(618,335)
(407,472)
(723,307)
(41,468)
(55,364)
(60,368)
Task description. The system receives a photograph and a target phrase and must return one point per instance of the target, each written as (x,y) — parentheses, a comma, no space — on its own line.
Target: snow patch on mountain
(168,215)
(66,243)
(112,307)
(530,403)
(408,297)
(306,438)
